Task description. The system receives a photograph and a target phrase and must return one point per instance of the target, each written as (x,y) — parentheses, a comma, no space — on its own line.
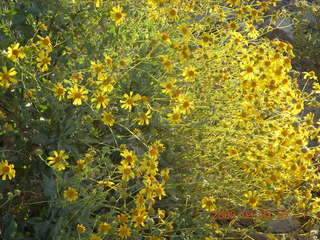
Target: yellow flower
(310,75)
(105,82)
(81,164)
(29,93)
(129,157)
(189,73)
(107,184)
(168,86)
(101,99)
(104,228)
(59,91)
(316,87)
(173,13)
(144,118)
(81,228)
(167,63)
(7,77)
(185,105)
(145,100)
(42,26)
(106,87)
(124,62)
(175,116)
(126,172)
(122,218)
(43,61)
(165,37)
(205,39)
(124,231)
(140,201)
(249,70)
(161,213)
(8,126)
(155,149)
(208,203)
(253,33)
(108,60)
(159,191)
(233,25)
(96,67)
(234,3)
(297,106)
(185,53)
(237,38)
(95,237)
(129,101)
(185,31)
(139,217)
(78,94)
(165,174)
(117,15)
(211,238)
(58,160)
(45,43)
(75,77)
(70,194)
(108,119)
(7,170)
(2,115)
(251,199)
(270,236)
(15,52)
(98,3)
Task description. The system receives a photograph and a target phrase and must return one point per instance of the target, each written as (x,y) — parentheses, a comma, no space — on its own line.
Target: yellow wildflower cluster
(44,48)
(251,97)
(16,52)
(199,76)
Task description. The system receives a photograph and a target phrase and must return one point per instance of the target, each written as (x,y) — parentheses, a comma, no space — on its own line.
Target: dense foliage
(306,18)
(138,119)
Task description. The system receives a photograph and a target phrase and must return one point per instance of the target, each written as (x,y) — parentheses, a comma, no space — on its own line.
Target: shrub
(139,119)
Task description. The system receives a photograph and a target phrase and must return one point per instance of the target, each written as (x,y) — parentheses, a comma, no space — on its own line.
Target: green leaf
(49,187)
(39,138)
(11,230)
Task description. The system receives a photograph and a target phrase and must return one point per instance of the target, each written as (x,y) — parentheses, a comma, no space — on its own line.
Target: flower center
(45,60)
(15,52)
(165,37)
(6,169)
(77,95)
(176,116)
(6,76)
(186,104)
(191,73)
(46,41)
(118,15)
(101,99)
(129,159)
(249,69)
(130,101)
(127,171)
(60,91)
